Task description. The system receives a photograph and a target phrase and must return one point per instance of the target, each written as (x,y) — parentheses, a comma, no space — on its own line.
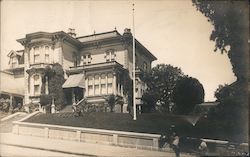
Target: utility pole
(134,103)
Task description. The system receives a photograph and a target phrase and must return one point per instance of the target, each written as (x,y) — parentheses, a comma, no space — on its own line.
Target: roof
(112,34)
(98,36)
(59,34)
(79,41)
(17,53)
(76,80)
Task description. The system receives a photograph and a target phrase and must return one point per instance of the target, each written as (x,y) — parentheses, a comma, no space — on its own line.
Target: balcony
(98,66)
(39,65)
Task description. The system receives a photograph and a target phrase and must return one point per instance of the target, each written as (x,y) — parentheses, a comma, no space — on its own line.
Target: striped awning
(76,80)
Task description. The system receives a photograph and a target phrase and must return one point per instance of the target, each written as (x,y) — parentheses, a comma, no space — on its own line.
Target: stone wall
(119,138)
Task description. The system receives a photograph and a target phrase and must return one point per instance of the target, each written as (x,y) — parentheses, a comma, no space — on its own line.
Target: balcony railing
(40,65)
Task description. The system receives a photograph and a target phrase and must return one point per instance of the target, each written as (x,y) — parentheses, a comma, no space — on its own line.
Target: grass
(145,123)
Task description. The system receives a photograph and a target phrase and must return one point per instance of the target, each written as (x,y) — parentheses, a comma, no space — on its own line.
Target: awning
(76,80)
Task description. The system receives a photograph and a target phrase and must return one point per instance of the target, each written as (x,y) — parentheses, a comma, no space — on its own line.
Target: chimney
(71,32)
(127,32)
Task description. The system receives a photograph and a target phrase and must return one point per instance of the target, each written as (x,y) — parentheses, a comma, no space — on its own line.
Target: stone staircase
(67,108)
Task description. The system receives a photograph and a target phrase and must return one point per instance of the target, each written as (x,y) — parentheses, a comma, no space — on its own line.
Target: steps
(67,108)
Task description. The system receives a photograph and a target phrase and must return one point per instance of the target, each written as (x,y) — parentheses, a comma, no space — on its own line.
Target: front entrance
(74,95)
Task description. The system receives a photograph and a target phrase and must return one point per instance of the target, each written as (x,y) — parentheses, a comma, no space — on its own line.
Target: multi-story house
(94,65)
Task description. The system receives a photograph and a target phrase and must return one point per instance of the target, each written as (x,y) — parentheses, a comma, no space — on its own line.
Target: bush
(45,99)
(4,105)
(33,107)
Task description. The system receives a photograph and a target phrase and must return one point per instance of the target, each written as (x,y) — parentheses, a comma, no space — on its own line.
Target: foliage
(160,84)
(187,93)
(45,99)
(232,110)
(149,99)
(230,21)
(33,107)
(56,80)
(4,104)
(113,100)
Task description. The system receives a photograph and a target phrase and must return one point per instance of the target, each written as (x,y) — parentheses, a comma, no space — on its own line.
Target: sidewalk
(77,148)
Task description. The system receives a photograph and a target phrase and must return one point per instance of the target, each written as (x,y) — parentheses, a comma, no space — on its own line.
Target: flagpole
(134,103)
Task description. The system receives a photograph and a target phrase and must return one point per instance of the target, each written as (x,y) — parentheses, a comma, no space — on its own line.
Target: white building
(94,65)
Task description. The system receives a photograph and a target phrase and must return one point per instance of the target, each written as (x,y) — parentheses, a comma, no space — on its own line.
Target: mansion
(94,65)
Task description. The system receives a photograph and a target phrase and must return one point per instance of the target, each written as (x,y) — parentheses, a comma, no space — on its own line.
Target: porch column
(114,84)
(46,85)
(122,90)
(73,97)
(87,86)
(11,103)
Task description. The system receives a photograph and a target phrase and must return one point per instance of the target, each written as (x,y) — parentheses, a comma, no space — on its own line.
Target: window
(110,56)
(91,91)
(103,89)
(110,90)
(36,55)
(103,84)
(46,54)
(110,79)
(14,62)
(97,89)
(86,59)
(36,84)
(36,90)
(90,86)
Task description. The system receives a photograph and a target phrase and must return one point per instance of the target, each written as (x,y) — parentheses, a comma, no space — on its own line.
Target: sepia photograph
(126,78)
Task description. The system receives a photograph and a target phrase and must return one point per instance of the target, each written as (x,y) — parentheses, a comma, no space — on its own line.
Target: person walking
(175,144)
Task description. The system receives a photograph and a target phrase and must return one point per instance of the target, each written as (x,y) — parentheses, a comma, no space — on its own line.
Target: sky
(173,30)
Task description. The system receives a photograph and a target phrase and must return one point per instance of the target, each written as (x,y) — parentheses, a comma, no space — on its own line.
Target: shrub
(4,105)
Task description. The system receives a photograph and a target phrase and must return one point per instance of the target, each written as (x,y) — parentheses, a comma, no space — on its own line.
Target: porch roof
(76,80)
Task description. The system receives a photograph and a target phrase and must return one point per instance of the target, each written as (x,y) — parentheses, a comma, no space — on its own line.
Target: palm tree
(112,100)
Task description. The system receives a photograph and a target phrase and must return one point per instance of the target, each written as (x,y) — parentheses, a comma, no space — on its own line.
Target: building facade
(94,65)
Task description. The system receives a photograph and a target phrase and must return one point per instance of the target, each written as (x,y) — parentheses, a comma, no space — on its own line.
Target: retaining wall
(119,138)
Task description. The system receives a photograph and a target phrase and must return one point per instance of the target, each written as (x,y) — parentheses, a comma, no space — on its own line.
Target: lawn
(145,123)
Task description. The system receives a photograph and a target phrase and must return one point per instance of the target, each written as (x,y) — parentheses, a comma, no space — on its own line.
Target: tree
(56,80)
(230,21)
(160,82)
(45,99)
(231,29)
(187,93)
(113,100)
(231,111)
(149,99)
